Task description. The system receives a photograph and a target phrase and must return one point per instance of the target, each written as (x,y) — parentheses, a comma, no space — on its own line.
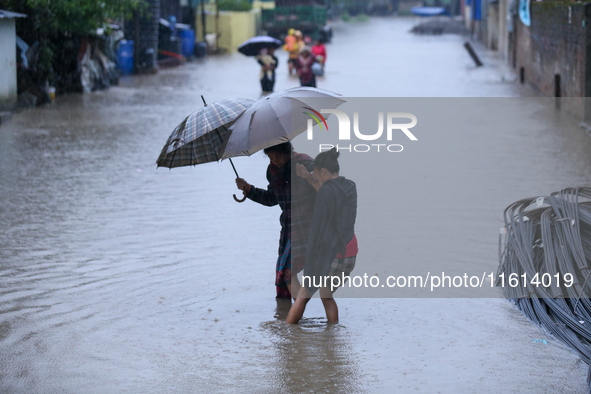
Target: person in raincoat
(319,52)
(291,46)
(332,245)
(296,198)
(300,40)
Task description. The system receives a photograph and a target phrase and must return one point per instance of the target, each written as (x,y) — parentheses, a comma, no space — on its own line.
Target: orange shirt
(291,45)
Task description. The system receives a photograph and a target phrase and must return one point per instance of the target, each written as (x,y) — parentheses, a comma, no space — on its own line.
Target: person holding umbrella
(266,125)
(241,127)
(268,62)
(283,187)
(262,48)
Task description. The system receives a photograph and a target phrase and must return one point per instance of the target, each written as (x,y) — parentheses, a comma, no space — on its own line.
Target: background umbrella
(201,137)
(277,118)
(253,46)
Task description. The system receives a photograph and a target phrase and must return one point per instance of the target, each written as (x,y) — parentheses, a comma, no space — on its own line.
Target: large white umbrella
(277,118)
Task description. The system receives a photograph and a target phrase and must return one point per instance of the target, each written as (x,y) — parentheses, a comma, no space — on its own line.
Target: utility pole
(203,30)
(217,22)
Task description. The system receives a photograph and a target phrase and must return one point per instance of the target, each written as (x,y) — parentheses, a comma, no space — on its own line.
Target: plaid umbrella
(201,137)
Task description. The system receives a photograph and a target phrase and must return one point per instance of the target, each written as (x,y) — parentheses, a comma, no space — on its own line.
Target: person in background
(319,52)
(304,66)
(291,46)
(268,62)
(300,41)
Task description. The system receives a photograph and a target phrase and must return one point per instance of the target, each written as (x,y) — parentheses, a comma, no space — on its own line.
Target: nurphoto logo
(344,133)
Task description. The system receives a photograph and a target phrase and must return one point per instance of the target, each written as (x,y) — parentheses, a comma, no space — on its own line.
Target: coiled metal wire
(551,235)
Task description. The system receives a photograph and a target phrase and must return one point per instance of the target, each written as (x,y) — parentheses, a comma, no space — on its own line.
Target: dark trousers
(311,83)
(267,84)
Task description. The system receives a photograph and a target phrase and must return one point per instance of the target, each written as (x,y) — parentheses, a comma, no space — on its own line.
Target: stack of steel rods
(545,255)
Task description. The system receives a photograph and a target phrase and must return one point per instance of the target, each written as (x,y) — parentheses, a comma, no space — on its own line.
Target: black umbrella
(253,46)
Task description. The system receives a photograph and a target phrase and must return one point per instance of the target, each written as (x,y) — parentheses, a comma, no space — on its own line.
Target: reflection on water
(313,356)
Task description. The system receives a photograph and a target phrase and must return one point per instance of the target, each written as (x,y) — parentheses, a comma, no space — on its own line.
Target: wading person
(282,188)
(319,53)
(304,66)
(332,244)
(300,40)
(291,46)
(268,62)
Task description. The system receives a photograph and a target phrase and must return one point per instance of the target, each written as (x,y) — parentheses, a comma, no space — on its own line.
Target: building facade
(8,86)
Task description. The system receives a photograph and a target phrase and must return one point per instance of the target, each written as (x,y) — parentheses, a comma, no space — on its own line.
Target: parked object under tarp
(97,71)
(428,11)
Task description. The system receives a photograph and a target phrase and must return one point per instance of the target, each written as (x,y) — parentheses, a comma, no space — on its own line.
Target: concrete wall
(561,42)
(8,92)
(492,31)
(468,16)
(554,44)
(234,27)
(503,32)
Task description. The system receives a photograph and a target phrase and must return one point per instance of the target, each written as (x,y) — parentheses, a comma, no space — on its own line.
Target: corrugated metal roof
(9,14)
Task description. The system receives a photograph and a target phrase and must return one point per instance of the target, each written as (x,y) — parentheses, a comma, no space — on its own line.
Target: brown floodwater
(120,277)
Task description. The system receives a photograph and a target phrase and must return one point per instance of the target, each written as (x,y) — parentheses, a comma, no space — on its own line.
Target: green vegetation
(49,21)
(74,16)
(234,5)
(357,18)
(361,18)
(354,7)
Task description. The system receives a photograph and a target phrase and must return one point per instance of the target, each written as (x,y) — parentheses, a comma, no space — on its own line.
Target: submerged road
(118,277)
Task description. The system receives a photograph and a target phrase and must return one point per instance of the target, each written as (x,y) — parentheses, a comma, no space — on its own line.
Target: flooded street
(120,277)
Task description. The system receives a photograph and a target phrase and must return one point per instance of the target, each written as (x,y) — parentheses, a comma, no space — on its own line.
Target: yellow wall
(265,5)
(234,27)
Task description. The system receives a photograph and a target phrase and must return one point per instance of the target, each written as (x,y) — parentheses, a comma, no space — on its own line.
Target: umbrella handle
(240,200)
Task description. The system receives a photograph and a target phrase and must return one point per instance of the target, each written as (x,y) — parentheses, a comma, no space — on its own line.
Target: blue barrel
(125,57)
(188,42)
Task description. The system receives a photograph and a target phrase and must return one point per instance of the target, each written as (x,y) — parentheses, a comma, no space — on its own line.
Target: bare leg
(295,285)
(297,308)
(330,305)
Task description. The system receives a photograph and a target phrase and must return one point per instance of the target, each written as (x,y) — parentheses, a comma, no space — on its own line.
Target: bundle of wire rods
(544,265)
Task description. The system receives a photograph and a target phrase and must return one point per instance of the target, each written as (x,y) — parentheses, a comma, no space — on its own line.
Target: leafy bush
(76,16)
(354,7)
(52,20)
(361,18)
(234,5)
